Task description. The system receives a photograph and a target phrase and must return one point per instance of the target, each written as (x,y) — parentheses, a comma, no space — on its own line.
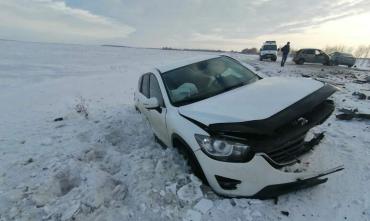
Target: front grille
(289,152)
(289,143)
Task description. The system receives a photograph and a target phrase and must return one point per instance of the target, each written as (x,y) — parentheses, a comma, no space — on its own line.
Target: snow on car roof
(184,62)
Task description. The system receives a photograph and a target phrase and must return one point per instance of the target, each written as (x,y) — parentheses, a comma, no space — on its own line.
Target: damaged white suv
(236,129)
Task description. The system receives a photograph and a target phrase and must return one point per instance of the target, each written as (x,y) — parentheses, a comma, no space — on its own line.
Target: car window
(309,51)
(269,47)
(346,55)
(155,90)
(317,52)
(205,79)
(145,85)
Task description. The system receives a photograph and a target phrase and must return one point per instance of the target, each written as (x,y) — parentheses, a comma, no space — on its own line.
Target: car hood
(257,101)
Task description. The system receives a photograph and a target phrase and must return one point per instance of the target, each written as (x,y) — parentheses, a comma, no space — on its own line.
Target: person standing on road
(285,51)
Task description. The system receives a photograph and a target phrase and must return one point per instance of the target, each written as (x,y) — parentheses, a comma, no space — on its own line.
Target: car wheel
(273,59)
(191,159)
(261,58)
(300,61)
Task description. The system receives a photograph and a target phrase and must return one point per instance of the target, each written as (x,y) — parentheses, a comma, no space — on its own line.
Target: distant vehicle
(311,55)
(268,51)
(237,130)
(338,58)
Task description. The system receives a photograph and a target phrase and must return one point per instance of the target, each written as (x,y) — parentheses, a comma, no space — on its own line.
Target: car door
(320,57)
(157,117)
(309,56)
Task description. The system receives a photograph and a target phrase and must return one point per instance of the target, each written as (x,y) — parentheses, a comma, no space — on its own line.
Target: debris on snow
(30,160)
(81,107)
(359,95)
(353,116)
(58,119)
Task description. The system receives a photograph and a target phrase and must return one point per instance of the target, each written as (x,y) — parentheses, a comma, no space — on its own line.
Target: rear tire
(261,58)
(192,160)
(300,61)
(273,59)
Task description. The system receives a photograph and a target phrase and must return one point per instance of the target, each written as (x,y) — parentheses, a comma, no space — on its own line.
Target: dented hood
(258,101)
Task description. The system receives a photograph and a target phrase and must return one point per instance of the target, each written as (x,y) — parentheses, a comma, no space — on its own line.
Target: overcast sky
(217,24)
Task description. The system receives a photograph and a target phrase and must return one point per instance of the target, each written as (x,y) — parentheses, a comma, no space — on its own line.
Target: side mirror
(151,103)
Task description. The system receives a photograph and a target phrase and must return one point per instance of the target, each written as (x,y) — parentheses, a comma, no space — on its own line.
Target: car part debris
(58,119)
(359,95)
(349,114)
(352,116)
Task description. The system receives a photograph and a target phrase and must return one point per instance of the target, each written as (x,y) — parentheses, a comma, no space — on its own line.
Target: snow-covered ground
(363,64)
(108,167)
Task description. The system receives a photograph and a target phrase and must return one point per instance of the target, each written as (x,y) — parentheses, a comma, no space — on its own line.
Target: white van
(268,51)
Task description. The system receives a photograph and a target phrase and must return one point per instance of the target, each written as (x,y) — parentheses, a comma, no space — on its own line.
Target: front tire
(192,160)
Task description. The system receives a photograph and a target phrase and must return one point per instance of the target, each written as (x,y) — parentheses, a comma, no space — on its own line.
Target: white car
(269,51)
(237,130)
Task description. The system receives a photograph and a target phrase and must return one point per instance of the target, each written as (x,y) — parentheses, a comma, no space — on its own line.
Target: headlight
(224,150)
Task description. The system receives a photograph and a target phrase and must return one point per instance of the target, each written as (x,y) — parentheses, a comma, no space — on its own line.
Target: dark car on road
(311,55)
(338,58)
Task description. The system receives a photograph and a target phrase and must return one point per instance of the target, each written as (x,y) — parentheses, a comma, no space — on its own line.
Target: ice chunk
(195,180)
(189,193)
(203,205)
(192,215)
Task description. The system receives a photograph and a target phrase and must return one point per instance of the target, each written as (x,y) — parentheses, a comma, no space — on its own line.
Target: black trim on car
(273,191)
(227,183)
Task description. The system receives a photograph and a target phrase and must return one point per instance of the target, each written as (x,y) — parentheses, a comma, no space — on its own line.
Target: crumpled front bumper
(276,190)
(256,178)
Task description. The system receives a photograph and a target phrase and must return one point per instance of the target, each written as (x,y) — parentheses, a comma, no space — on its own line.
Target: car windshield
(205,79)
(269,47)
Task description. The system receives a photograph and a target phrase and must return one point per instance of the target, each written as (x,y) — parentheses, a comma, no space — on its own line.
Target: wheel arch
(194,162)
(177,139)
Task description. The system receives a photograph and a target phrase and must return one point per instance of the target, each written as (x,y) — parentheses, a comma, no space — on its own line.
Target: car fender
(185,129)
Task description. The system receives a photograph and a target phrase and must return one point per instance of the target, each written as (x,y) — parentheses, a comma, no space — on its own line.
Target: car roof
(310,49)
(184,62)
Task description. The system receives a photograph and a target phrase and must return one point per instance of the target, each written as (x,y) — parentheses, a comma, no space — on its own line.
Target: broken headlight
(224,150)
